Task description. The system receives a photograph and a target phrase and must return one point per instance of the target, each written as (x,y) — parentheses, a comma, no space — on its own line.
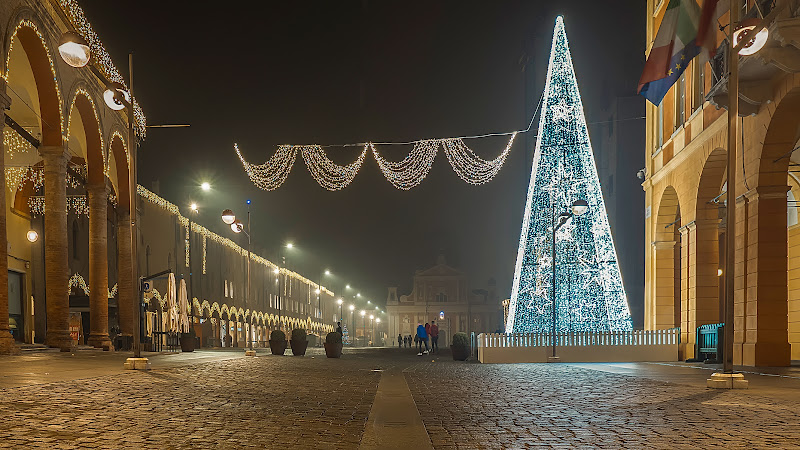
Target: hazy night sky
(301,72)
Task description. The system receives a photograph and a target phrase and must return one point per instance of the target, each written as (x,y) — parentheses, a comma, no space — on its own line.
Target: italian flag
(675,45)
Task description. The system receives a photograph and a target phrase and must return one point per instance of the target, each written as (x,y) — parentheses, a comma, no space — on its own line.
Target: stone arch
(91,138)
(667,261)
(25,28)
(118,165)
(707,242)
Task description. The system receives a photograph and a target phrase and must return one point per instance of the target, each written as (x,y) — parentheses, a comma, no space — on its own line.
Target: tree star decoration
(588,285)
(404,174)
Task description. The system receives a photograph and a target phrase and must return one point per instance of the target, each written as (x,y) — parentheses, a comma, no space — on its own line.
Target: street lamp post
(352,323)
(364,323)
(578,208)
(372,326)
(229,218)
(340,301)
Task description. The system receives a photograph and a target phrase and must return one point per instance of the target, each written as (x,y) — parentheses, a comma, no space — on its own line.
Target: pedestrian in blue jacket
(422,336)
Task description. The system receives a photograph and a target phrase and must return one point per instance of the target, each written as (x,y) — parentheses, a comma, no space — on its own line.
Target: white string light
(271,175)
(412,169)
(470,167)
(328,174)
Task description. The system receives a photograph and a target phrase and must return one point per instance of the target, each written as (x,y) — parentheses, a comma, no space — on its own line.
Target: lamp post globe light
(32,236)
(229,218)
(74,50)
(577,209)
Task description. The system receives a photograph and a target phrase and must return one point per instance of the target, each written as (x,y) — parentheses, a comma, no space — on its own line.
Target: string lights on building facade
(588,286)
(101,57)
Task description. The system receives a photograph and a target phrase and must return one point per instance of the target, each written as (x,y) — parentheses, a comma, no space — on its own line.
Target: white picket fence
(613,346)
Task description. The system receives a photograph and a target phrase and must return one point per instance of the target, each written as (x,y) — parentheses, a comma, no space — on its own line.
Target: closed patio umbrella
(183,307)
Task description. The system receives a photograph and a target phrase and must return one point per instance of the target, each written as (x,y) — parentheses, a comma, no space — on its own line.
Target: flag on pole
(706,31)
(675,45)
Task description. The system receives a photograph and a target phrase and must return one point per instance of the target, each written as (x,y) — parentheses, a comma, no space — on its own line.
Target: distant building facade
(443,294)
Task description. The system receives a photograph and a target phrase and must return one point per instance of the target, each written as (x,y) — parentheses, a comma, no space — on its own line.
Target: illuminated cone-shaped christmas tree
(588,285)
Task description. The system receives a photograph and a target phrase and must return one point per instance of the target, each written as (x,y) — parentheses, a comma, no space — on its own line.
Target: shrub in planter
(333,345)
(299,342)
(460,348)
(188,341)
(277,342)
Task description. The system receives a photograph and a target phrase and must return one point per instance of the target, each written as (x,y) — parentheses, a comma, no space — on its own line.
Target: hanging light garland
(471,167)
(404,174)
(76,204)
(328,174)
(271,175)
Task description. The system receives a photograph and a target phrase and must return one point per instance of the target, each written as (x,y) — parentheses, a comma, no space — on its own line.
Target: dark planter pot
(277,347)
(460,353)
(333,350)
(187,342)
(298,347)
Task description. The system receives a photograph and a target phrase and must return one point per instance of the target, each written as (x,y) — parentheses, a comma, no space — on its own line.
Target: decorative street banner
(589,291)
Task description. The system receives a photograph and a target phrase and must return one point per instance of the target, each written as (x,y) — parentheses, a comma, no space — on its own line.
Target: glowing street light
(289,245)
(228,217)
(32,236)
(206,186)
(193,207)
(73,49)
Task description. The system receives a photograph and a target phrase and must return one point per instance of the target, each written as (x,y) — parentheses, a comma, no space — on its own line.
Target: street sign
(147,286)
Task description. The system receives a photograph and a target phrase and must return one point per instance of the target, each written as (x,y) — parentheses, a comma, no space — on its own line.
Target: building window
(680,101)
(660,126)
(441,298)
(698,83)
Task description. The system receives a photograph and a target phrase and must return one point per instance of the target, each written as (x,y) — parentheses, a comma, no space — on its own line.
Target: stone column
(763,272)
(56,256)
(664,254)
(126,292)
(98,267)
(7,345)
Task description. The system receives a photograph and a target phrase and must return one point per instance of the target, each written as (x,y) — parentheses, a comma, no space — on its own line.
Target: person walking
(399,341)
(339,328)
(422,336)
(434,332)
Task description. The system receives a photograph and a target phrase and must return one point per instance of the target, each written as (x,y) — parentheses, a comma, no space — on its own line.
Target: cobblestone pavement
(287,402)
(264,402)
(558,405)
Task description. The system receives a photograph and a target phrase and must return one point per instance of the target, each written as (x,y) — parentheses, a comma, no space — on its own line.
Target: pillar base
(59,339)
(100,341)
(7,344)
(727,381)
(137,364)
(249,353)
(554,359)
